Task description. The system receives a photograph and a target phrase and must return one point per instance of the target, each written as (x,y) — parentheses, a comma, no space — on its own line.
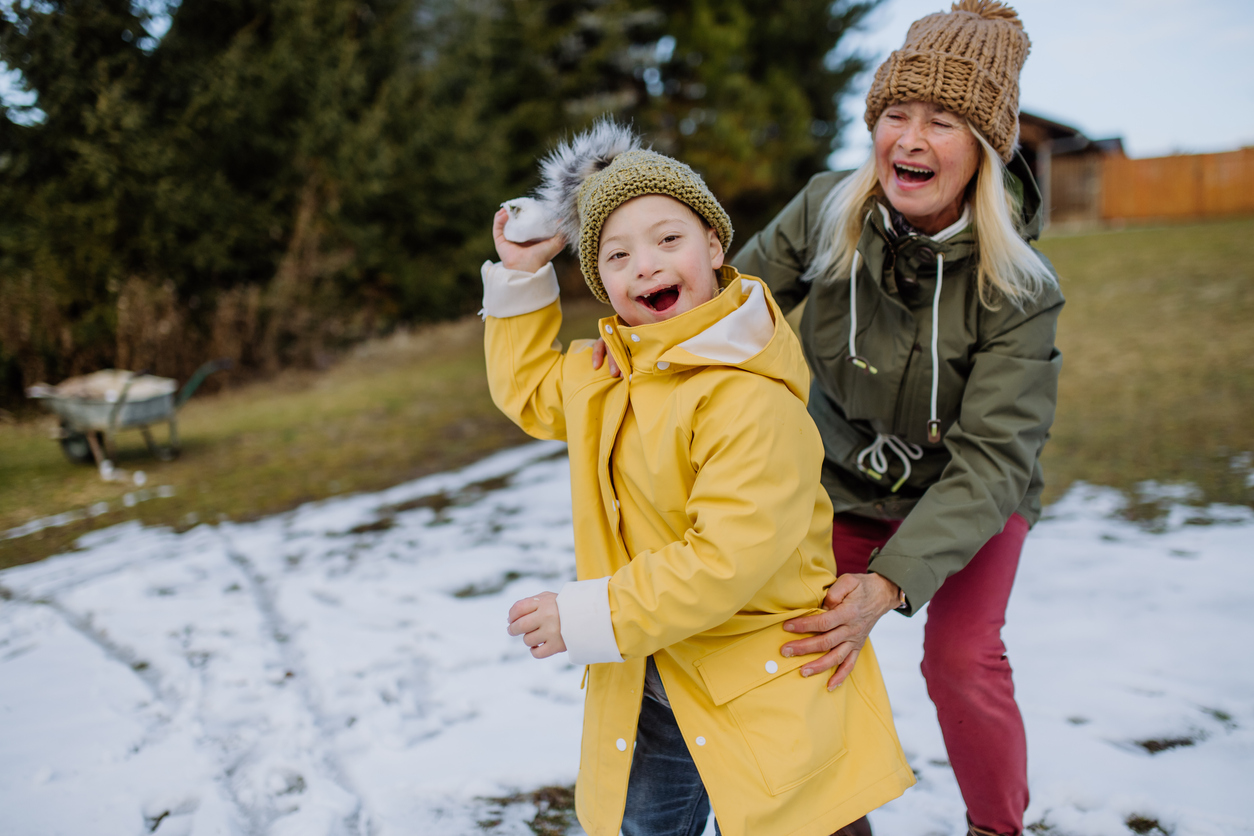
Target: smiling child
(700,523)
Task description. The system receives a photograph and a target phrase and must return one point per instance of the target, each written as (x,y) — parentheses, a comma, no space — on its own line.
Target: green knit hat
(596,172)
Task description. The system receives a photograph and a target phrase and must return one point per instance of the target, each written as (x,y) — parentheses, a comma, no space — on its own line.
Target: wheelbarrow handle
(198,377)
(121,401)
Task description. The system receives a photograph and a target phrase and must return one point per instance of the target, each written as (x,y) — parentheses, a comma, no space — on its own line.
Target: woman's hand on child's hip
(525,257)
(854,604)
(537,621)
(600,355)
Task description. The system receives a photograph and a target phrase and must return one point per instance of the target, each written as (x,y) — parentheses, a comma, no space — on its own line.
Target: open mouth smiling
(913,173)
(660,300)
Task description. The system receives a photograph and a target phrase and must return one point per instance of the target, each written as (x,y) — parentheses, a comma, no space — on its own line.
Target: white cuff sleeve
(584,609)
(514,292)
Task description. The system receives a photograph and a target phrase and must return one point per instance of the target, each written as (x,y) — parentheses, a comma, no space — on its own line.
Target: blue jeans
(665,796)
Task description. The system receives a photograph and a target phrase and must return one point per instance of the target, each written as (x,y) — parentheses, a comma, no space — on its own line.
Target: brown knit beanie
(966,60)
(633,174)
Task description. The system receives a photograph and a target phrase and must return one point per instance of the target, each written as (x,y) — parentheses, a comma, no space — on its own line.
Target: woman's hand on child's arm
(854,604)
(525,257)
(537,621)
(600,355)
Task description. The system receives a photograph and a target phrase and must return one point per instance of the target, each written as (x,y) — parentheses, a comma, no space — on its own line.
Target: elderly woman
(929,329)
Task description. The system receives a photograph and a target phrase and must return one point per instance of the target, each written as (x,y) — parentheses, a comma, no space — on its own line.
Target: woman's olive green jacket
(996,387)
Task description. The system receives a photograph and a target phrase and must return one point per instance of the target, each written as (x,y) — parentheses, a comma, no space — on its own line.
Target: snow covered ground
(344,669)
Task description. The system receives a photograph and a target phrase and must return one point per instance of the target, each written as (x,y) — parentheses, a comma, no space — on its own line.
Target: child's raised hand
(525,257)
(537,621)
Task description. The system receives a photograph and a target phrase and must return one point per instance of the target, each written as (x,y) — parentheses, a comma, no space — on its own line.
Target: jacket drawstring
(933,426)
(860,362)
(905,451)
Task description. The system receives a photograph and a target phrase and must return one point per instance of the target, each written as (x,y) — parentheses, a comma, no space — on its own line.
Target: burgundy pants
(965,665)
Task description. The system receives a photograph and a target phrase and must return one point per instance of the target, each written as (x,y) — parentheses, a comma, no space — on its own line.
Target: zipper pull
(933,431)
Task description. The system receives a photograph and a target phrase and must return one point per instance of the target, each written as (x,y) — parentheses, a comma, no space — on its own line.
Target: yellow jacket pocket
(792,724)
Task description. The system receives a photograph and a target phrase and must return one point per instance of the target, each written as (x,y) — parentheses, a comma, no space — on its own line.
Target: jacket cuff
(584,610)
(509,292)
(913,574)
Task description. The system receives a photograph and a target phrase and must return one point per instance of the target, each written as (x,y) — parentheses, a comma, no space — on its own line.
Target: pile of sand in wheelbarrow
(107,386)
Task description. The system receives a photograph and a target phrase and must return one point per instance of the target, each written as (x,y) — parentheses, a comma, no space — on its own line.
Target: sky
(1168,76)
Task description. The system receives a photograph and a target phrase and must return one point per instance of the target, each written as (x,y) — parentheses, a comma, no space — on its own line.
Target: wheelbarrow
(94,407)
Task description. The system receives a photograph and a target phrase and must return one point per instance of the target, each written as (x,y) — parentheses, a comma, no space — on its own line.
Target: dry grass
(393,410)
(1158,358)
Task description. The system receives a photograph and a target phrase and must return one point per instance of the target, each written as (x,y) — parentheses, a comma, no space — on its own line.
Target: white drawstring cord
(933,426)
(905,451)
(860,362)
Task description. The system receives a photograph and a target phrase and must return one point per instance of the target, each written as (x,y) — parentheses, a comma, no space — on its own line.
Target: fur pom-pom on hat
(588,177)
(966,60)
(565,169)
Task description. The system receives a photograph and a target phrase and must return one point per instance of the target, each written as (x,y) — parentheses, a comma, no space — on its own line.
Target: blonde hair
(1008,266)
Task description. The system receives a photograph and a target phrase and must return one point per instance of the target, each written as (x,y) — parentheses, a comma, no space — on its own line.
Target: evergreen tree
(274,178)
(71,185)
(747,92)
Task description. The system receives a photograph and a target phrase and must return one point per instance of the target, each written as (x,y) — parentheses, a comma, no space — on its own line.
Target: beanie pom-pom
(563,171)
(989,10)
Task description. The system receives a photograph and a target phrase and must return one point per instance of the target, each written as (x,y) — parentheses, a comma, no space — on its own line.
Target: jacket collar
(741,327)
(728,329)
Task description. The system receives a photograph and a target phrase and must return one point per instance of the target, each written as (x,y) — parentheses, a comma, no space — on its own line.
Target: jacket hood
(742,327)
(1023,184)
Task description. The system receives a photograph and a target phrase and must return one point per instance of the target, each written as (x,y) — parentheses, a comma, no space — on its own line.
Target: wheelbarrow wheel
(76,446)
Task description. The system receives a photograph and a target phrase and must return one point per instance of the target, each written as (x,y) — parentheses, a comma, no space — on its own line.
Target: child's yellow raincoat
(700,526)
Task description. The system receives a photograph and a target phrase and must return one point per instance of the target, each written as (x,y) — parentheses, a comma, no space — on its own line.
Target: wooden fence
(1192,186)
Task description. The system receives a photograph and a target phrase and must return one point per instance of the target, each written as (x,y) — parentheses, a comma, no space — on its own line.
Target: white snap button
(700,741)
(663,365)
(621,744)
(609,330)
(635,338)
(628,378)
(771,667)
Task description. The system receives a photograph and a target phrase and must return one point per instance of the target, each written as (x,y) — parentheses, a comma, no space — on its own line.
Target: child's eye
(670,238)
(613,256)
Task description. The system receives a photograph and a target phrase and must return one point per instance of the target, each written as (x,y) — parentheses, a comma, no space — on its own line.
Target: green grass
(1158,359)
(1157,384)
(392,410)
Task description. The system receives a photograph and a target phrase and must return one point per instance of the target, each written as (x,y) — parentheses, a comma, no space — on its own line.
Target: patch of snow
(344,669)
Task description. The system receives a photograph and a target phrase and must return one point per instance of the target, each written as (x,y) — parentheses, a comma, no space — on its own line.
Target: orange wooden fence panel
(1194,185)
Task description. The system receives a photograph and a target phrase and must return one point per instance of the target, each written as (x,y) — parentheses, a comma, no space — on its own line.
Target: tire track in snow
(124,656)
(279,633)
